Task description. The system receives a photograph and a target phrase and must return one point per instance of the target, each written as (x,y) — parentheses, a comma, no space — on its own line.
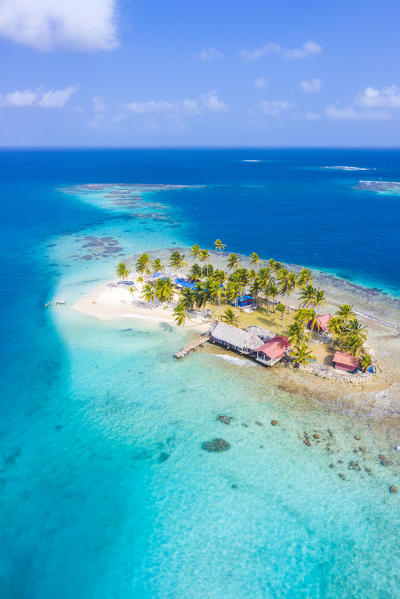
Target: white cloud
(57,99)
(151,107)
(312,116)
(213,103)
(274,107)
(311,86)
(207,102)
(98,104)
(388,97)
(38,97)
(261,82)
(307,50)
(209,54)
(258,53)
(350,113)
(48,24)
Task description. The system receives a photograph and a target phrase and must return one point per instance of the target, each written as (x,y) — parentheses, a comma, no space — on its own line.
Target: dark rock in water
(354,466)
(331,465)
(362,449)
(384,461)
(258,423)
(261,446)
(393,489)
(274,422)
(234,486)
(163,457)
(216,445)
(225,419)
(245,425)
(369,471)
(340,461)
(58,427)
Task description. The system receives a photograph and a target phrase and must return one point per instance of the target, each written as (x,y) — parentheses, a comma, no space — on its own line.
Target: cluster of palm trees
(269,282)
(349,335)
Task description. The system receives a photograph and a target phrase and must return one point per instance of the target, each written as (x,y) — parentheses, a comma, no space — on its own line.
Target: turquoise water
(105,489)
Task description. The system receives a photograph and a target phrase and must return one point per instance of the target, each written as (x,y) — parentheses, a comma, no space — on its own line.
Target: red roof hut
(345,362)
(321,322)
(274,349)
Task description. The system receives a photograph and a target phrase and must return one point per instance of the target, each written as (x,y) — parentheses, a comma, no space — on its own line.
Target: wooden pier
(192,346)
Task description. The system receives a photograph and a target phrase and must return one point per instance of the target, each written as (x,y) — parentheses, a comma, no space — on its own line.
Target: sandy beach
(376,398)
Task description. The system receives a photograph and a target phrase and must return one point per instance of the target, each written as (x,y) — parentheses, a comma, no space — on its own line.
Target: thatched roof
(264,334)
(244,340)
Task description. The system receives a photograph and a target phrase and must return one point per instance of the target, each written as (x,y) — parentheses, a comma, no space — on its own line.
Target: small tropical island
(261,309)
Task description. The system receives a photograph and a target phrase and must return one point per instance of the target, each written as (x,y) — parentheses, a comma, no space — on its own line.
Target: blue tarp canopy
(245,300)
(184,283)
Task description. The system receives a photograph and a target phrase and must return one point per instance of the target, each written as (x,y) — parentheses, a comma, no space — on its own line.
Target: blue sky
(179,73)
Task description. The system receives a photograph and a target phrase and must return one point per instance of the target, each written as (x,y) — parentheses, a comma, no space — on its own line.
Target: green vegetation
(271,284)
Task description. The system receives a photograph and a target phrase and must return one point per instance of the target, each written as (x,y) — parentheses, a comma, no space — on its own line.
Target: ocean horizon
(106,491)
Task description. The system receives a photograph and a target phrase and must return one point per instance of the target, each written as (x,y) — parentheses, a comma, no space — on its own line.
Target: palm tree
(195,272)
(345,311)
(204,257)
(281,308)
(336,328)
(157,266)
(272,291)
(177,260)
(365,361)
(307,295)
(131,289)
(307,316)
(302,354)
(319,299)
(201,294)
(234,290)
(219,275)
(304,278)
(354,327)
(163,290)
(296,333)
(187,298)
(216,292)
(148,293)
(233,262)
(195,251)
(230,317)
(288,282)
(143,264)
(353,344)
(255,260)
(219,246)
(122,270)
(180,314)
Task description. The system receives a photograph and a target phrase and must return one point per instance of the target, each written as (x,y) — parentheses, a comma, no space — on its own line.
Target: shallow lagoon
(106,490)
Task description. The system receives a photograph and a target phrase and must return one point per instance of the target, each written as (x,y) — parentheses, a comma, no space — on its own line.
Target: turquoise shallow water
(106,491)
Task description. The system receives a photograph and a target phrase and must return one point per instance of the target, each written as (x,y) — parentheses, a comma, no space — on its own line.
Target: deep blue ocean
(105,491)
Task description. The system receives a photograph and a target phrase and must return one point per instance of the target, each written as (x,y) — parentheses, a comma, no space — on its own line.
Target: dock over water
(192,346)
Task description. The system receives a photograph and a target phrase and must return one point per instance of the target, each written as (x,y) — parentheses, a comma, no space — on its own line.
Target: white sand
(114,301)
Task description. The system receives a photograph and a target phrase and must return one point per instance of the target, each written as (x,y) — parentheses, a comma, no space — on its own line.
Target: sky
(151,73)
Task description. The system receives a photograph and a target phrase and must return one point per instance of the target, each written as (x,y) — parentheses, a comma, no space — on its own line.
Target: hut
(264,334)
(272,351)
(233,338)
(346,362)
(244,301)
(321,323)
(183,283)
